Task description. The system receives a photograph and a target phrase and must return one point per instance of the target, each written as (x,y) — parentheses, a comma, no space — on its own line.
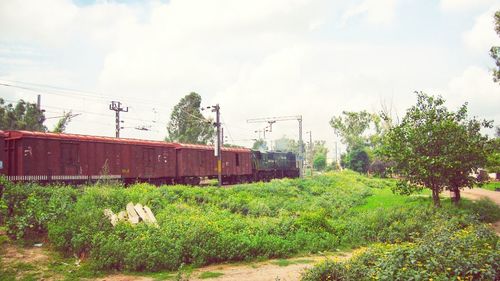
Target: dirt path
(478,193)
(270,270)
(283,270)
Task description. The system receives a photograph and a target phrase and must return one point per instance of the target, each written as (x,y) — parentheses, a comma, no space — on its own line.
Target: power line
(82,93)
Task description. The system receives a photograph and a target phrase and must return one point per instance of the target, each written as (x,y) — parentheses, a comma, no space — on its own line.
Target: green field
(206,225)
(492,185)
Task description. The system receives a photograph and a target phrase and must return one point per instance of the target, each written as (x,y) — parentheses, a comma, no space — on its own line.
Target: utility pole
(272,120)
(116,106)
(219,140)
(41,118)
(39,102)
(311,156)
(301,149)
(216,109)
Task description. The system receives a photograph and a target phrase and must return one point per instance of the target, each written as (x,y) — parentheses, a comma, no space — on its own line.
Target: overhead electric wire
(87,94)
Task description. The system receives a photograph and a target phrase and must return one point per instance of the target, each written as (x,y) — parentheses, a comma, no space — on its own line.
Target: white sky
(257,58)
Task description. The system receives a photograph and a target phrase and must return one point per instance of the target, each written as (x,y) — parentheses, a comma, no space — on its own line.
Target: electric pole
(116,106)
(272,120)
(311,156)
(39,102)
(40,110)
(216,109)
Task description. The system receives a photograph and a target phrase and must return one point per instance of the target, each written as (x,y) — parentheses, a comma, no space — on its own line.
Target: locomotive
(41,157)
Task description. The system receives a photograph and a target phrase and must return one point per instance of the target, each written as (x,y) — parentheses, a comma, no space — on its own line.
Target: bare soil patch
(271,270)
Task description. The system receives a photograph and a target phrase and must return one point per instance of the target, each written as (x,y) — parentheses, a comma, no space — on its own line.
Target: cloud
(42,21)
(256,58)
(374,11)
(463,5)
(475,86)
(482,36)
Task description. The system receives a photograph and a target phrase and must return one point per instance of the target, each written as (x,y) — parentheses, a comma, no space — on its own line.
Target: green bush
(204,225)
(452,248)
(30,208)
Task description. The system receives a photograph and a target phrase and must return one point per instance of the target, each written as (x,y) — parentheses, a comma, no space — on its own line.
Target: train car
(274,164)
(3,135)
(50,157)
(198,161)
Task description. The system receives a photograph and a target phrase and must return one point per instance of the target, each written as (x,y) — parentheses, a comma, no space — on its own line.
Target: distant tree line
(22,116)
(432,147)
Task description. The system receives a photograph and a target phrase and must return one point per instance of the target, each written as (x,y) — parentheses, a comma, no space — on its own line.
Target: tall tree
(317,154)
(187,124)
(319,162)
(436,148)
(319,147)
(23,116)
(495,50)
(351,126)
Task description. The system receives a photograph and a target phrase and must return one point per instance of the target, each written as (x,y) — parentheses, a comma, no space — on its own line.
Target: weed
(210,274)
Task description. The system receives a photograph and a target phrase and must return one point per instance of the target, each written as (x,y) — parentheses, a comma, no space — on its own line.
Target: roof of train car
(43,135)
(210,147)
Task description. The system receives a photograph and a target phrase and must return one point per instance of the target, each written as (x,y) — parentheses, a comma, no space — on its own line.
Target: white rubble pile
(134,214)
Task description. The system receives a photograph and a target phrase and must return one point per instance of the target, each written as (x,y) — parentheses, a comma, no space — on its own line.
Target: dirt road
(271,270)
(478,193)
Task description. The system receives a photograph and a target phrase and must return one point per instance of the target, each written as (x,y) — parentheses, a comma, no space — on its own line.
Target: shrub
(445,252)
(203,225)
(30,207)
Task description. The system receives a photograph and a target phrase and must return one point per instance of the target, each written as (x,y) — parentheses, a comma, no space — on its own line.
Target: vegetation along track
(208,226)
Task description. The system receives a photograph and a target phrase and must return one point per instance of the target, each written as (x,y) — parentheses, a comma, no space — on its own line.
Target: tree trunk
(435,197)
(456,198)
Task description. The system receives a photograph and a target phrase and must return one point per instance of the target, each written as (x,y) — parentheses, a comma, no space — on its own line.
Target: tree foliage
(63,122)
(357,159)
(493,158)
(23,116)
(260,145)
(351,127)
(495,50)
(319,162)
(317,154)
(319,147)
(436,148)
(187,124)
(286,144)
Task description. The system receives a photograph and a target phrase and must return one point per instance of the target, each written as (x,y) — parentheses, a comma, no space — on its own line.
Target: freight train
(27,156)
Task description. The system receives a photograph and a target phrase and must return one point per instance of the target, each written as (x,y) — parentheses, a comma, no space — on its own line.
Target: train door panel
(125,160)
(27,149)
(70,158)
(148,161)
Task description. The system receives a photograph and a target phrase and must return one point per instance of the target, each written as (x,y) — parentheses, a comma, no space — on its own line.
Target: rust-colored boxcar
(3,170)
(197,161)
(37,156)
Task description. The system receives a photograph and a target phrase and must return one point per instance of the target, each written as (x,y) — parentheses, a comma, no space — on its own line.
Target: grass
(156,276)
(285,262)
(210,274)
(385,198)
(492,185)
(204,225)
